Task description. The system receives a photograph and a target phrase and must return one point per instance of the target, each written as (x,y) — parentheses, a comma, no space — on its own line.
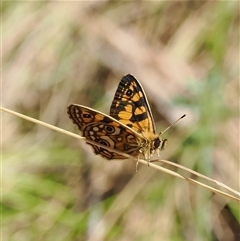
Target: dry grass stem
(140,160)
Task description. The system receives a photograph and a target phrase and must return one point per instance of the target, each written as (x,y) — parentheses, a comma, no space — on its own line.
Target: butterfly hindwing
(130,106)
(104,130)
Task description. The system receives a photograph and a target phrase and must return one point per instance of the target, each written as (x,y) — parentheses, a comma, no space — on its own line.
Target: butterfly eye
(109,129)
(157,143)
(129,93)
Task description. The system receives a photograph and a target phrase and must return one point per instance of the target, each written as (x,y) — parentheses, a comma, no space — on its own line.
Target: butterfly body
(128,129)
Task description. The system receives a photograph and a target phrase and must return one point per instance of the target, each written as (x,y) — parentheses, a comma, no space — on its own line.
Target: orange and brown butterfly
(128,129)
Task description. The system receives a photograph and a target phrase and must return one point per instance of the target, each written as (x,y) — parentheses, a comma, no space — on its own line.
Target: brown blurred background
(185,54)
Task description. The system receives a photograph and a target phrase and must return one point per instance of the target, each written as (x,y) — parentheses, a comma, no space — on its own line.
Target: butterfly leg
(137,164)
(149,160)
(148,157)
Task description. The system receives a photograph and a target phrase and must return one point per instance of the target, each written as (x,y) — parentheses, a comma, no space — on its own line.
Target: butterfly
(129,128)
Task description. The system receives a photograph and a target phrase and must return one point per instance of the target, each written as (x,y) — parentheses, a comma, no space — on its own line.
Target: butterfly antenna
(172,124)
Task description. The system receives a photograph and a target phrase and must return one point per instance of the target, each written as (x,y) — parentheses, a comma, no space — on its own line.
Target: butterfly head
(157,145)
(160,144)
(153,144)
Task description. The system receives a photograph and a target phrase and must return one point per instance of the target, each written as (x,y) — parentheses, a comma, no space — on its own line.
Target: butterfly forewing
(104,130)
(130,106)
